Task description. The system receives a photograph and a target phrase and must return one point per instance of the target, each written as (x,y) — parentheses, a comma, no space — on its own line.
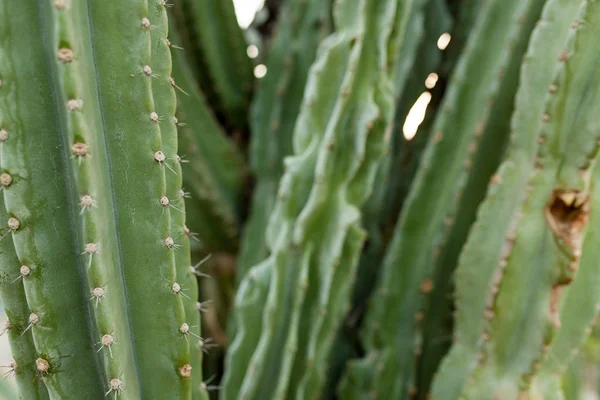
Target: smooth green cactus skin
(31,385)
(323,186)
(274,111)
(484,251)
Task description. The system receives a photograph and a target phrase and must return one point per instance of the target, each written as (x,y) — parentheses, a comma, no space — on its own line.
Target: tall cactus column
(314,233)
(87,152)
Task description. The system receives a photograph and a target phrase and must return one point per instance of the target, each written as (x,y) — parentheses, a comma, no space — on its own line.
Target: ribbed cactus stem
(173,202)
(31,386)
(314,233)
(497,241)
(104,317)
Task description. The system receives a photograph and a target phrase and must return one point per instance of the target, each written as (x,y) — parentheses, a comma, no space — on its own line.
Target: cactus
(274,112)
(460,264)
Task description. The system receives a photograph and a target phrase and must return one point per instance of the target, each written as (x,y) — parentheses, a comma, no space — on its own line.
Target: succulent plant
(136,143)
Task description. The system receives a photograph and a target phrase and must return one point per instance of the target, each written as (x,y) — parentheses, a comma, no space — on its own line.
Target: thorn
(205,385)
(23,272)
(201,305)
(33,320)
(98,294)
(79,150)
(115,385)
(170,243)
(185,330)
(12,366)
(206,344)
(91,249)
(172,81)
(87,202)
(106,341)
(42,365)
(176,288)
(154,117)
(194,268)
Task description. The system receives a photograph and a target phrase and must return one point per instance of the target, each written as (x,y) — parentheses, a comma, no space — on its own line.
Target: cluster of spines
(481,271)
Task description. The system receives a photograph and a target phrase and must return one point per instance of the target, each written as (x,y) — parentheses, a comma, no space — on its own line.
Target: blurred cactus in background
(347,199)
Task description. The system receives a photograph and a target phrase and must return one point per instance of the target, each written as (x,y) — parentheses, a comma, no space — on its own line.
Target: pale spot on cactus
(115,385)
(153,117)
(176,287)
(86,202)
(145,23)
(159,156)
(24,270)
(42,365)
(169,242)
(552,88)
(60,4)
(14,223)
(97,294)
(546,117)
(91,248)
(164,201)
(426,286)
(184,328)
(3,135)
(65,55)
(147,70)
(5,179)
(186,370)
(106,341)
(74,104)
(564,56)
(79,149)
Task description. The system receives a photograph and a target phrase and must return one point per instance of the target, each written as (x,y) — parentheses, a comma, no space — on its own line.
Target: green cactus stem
(89,147)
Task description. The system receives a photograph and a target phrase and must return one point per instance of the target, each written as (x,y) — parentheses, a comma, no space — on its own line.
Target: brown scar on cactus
(567,213)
